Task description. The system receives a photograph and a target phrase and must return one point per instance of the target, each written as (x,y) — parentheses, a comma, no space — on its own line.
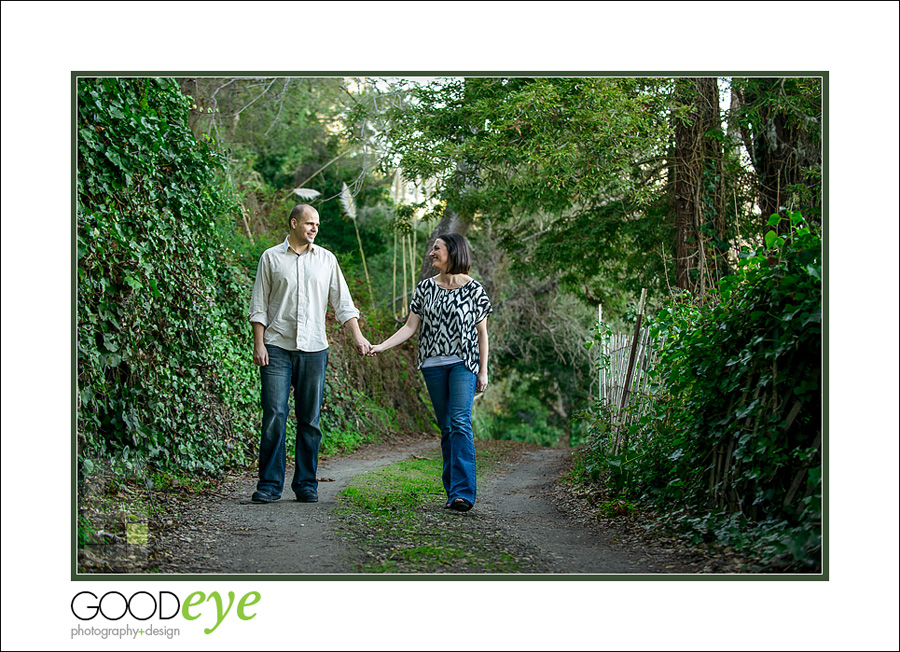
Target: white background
(857,43)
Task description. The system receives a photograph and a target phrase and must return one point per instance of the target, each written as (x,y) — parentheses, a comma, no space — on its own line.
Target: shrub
(732,446)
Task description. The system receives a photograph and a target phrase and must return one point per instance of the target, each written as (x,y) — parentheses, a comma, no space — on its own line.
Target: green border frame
(143,577)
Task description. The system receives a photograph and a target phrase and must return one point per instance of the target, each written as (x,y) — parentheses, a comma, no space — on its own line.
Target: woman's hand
(482,382)
(403,333)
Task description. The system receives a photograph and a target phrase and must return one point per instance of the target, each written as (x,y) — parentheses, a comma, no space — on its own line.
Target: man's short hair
(298,211)
(459,254)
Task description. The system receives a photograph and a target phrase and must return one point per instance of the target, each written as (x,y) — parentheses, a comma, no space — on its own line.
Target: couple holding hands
(295,283)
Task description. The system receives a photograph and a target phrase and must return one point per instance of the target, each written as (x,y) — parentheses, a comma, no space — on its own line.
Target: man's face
(306,227)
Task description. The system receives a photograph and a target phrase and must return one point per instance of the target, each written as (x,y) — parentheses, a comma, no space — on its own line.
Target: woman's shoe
(460,505)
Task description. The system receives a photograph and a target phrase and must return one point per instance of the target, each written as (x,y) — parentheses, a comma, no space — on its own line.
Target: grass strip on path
(395,518)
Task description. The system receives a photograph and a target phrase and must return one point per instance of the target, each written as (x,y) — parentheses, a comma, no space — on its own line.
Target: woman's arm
(403,333)
(482,383)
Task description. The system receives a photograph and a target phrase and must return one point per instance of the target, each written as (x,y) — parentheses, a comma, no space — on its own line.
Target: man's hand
(260,356)
(260,353)
(362,345)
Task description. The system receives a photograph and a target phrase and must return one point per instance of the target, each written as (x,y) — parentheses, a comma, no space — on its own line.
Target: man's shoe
(306,496)
(261,497)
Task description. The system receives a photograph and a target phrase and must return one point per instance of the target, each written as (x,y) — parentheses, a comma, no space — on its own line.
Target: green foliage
(567,164)
(350,419)
(541,372)
(780,120)
(86,531)
(735,436)
(516,415)
(163,370)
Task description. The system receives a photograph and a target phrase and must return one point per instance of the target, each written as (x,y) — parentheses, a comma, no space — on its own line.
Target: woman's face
(439,255)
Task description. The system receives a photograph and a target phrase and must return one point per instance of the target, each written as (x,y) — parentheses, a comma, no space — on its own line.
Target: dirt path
(518,496)
(521,502)
(231,535)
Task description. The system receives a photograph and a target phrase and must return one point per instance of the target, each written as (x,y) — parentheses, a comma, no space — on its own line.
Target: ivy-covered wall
(161,348)
(164,349)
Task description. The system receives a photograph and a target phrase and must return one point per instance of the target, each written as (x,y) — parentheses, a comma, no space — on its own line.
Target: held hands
(362,345)
(482,382)
(378,348)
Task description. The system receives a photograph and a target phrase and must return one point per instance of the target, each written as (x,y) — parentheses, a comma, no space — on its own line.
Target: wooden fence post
(630,372)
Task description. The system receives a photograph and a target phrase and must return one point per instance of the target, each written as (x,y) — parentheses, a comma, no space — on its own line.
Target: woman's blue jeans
(305,372)
(452,390)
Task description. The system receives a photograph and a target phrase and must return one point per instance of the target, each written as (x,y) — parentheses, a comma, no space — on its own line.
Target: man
(295,281)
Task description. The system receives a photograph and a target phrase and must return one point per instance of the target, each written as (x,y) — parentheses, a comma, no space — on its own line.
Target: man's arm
(361,344)
(260,353)
(259,308)
(344,310)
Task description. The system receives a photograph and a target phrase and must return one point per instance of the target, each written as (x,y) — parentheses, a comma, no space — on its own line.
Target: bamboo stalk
(394,277)
(403,248)
(349,205)
(602,346)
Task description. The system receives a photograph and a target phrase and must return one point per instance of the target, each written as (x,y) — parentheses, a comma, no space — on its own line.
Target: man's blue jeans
(305,372)
(452,390)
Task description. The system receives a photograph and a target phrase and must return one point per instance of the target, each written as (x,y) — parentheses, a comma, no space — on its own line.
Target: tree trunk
(783,148)
(697,185)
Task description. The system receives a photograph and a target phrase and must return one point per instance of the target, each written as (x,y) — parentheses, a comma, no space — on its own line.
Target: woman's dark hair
(458,253)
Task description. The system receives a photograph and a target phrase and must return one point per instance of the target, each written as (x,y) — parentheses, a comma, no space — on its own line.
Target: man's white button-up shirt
(292,293)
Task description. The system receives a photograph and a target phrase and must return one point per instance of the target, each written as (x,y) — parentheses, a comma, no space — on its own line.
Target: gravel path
(235,536)
(521,504)
(518,497)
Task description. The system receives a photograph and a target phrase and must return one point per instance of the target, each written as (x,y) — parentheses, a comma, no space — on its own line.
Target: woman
(452,309)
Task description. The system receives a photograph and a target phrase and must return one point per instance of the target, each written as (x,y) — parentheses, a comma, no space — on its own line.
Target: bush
(732,448)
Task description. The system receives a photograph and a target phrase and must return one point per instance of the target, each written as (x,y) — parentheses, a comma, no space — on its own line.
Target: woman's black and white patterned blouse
(448,320)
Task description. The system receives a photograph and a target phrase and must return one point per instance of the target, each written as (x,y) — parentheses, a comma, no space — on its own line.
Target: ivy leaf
(740,414)
(814,317)
(114,158)
(771,236)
